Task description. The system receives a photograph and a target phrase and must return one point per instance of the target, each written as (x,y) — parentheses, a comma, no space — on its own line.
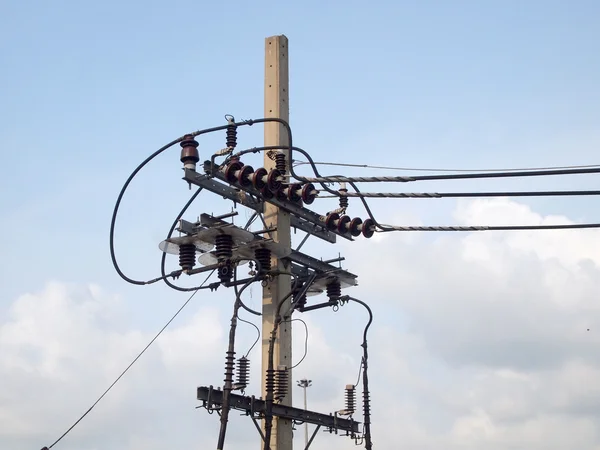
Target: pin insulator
(243,175)
(309,193)
(263,256)
(189,152)
(266,193)
(331,221)
(281,194)
(368,228)
(355,226)
(187,256)
(223,246)
(231,169)
(274,180)
(225,272)
(293,192)
(259,178)
(343,223)
(334,290)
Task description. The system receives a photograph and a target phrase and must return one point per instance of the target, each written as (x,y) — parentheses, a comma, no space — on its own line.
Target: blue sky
(89,89)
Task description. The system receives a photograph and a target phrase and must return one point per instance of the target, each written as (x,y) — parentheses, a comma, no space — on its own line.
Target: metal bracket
(248,404)
(301,218)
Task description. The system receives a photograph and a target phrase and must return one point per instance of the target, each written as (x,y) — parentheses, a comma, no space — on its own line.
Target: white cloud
(479,341)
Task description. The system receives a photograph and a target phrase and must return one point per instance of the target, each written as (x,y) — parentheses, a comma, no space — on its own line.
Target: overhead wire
(463,194)
(228,386)
(169,234)
(133,174)
(387,228)
(128,367)
(305,342)
(454,176)
(365,366)
(422,169)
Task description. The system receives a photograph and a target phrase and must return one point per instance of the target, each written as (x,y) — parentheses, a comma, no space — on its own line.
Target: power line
(491,228)
(130,365)
(457,176)
(421,169)
(461,194)
(305,342)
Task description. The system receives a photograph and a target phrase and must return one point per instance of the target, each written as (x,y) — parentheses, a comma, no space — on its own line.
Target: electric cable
(257,337)
(573,226)
(154,155)
(269,393)
(462,194)
(386,228)
(169,234)
(305,341)
(228,386)
(366,397)
(239,293)
(457,176)
(360,366)
(128,367)
(422,169)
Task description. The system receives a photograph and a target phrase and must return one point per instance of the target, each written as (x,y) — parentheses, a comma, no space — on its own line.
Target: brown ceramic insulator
(189,152)
(355,226)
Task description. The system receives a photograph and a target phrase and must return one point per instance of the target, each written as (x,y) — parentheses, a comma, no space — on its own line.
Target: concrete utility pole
(277,105)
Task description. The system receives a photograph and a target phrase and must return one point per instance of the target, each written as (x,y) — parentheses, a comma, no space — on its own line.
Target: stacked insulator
(350,397)
(270,382)
(187,256)
(223,252)
(280,163)
(263,256)
(229,365)
(243,373)
(231,139)
(334,290)
(346,225)
(282,381)
(343,199)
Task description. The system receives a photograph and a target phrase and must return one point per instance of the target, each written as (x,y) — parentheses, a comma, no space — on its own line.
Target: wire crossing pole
(277,105)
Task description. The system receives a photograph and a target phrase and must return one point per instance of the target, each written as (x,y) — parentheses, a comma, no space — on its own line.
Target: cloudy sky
(480,341)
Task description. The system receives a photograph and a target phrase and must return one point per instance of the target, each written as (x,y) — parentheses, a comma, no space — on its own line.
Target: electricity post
(277,105)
